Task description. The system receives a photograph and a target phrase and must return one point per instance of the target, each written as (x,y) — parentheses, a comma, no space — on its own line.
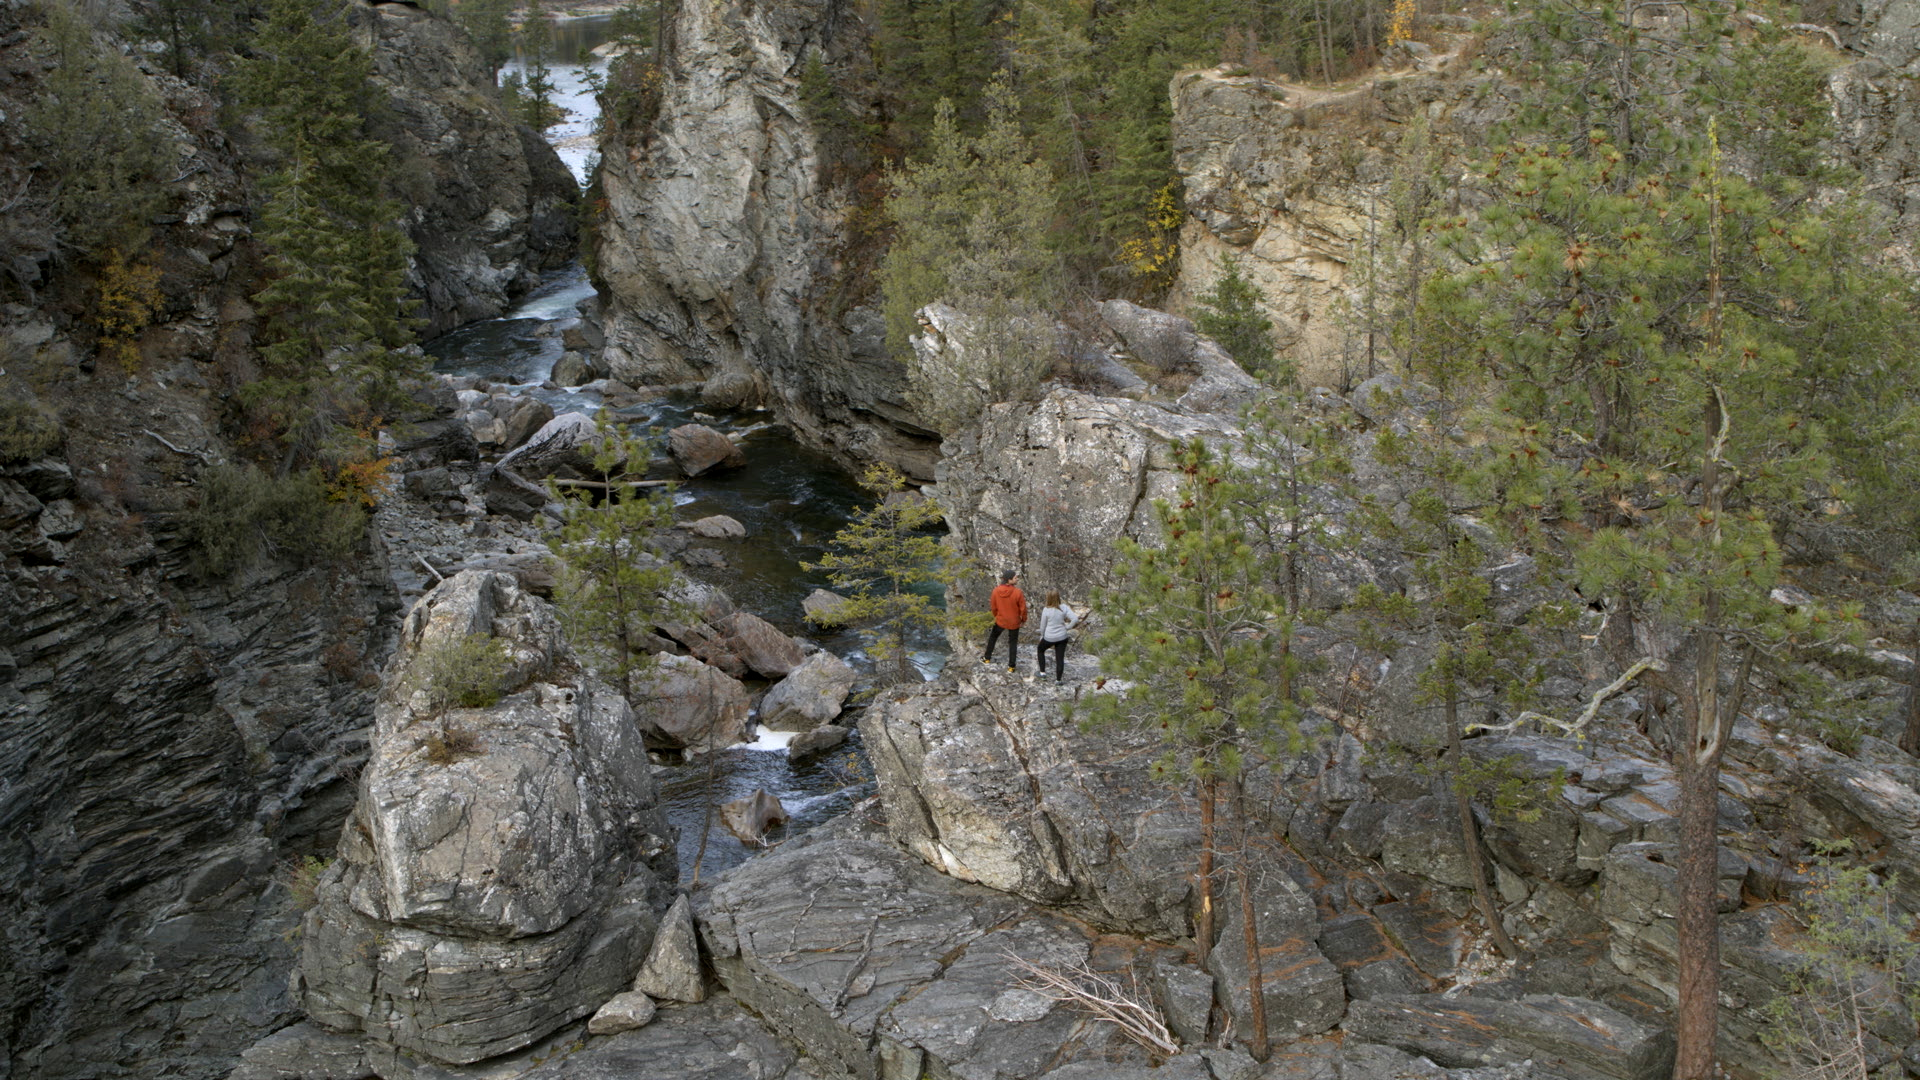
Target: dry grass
(1100,996)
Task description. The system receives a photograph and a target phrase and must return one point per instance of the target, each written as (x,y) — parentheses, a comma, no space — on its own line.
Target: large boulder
(877,966)
(502,873)
(564,446)
(683,704)
(989,781)
(697,448)
(810,696)
(749,643)
(1171,344)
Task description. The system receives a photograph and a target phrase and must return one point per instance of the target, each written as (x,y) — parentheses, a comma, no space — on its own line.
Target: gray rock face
(498,207)
(811,744)
(717,1040)
(1304,993)
(989,782)
(877,966)
(683,703)
(1171,344)
(672,971)
(166,743)
(810,696)
(1564,1037)
(1047,488)
(719,239)
(498,878)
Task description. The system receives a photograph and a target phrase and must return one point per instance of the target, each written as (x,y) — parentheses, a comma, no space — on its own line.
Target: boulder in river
(697,448)
(683,704)
(749,643)
(717,527)
(750,818)
(810,696)
(564,446)
(520,418)
(811,744)
(822,607)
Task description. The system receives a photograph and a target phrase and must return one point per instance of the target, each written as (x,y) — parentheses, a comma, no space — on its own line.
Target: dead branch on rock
(1099,996)
(1578,723)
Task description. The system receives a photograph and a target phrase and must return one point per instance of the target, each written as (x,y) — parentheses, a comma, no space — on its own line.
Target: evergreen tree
(1203,646)
(883,560)
(928,51)
(536,83)
(969,219)
(192,30)
(102,170)
(486,22)
(1646,313)
(1231,315)
(335,309)
(611,589)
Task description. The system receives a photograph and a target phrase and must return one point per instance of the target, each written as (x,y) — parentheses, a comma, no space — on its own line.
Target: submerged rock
(502,872)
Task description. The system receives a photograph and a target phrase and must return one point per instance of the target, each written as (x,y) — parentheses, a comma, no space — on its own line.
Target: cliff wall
(719,245)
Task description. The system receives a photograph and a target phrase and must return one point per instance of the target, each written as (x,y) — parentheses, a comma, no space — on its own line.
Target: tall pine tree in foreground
(1200,641)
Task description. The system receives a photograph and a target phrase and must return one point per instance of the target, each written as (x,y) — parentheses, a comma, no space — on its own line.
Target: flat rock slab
(1433,939)
(876,964)
(716,1040)
(1565,1037)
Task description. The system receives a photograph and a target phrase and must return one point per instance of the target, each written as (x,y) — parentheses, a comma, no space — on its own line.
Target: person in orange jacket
(1009,613)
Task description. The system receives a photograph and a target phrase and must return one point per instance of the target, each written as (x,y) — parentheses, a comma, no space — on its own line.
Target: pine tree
(1231,315)
(335,308)
(1202,644)
(102,170)
(884,560)
(485,21)
(1649,314)
(611,589)
(536,85)
(970,220)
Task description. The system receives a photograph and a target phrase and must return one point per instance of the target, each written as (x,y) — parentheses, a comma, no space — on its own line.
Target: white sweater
(1056,621)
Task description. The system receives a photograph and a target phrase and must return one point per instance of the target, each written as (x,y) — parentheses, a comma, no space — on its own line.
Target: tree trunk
(1470,835)
(1203,924)
(1910,738)
(1696,1019)
(1250,926)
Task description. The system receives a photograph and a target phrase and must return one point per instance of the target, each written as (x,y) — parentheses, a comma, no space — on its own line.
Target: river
(791,499)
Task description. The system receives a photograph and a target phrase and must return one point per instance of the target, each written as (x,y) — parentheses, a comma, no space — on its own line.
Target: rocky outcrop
(879,967)
(491,202)
(504,869)
(985,778)
(719,250)
(1046,488)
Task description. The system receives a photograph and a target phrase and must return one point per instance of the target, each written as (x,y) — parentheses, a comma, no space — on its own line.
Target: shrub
(450,742)
(245,513)
(469,672)
(26,431)
(302,879)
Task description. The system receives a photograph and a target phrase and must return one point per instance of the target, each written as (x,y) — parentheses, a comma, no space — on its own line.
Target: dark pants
(1013,643)
(1059,659)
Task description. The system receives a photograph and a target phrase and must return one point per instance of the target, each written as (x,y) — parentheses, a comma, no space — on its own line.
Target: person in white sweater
(1057,620)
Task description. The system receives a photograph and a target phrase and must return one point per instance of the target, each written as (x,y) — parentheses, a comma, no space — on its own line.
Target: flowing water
(790,498)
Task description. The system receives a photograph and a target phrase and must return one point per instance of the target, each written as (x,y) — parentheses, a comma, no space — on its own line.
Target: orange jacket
(1009,607)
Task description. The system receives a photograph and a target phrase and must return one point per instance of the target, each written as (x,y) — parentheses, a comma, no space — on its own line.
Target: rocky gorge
(497,890)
